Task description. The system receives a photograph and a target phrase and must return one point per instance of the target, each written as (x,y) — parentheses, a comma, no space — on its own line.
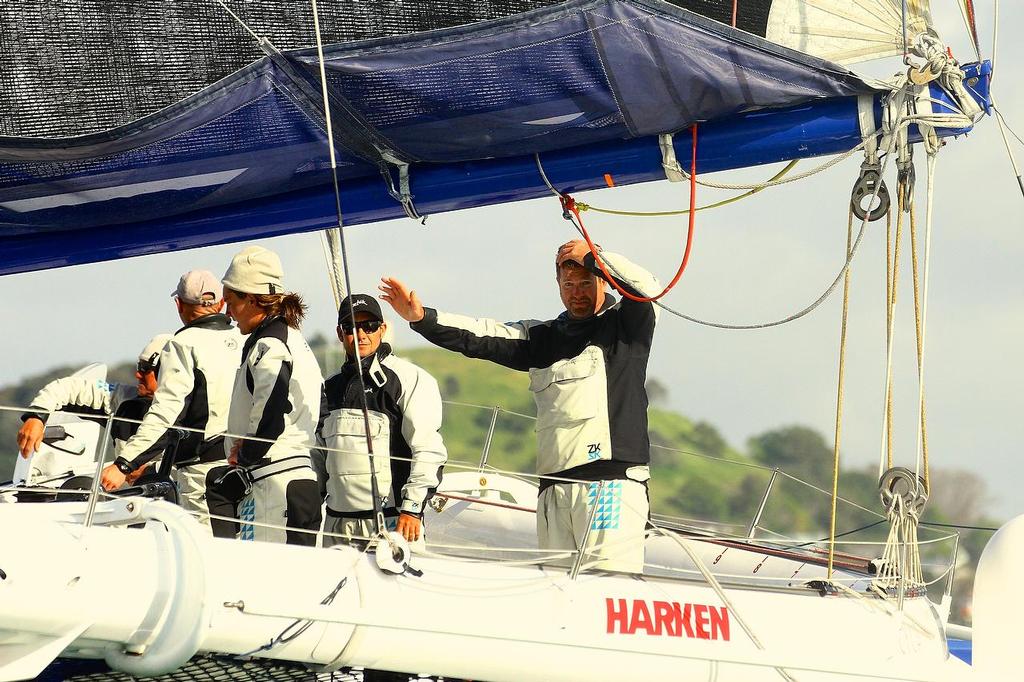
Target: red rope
(734,4)
(972,21)
(569,204)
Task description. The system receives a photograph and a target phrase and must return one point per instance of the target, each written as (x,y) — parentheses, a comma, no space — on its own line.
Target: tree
(958,495)
(657,393)
(798,450)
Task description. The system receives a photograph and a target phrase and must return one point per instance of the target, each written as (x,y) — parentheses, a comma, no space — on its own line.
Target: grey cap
(255,270)
(199,287)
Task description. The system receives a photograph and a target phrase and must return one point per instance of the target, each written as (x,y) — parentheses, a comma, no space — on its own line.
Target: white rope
(924,313)
(995,39)
(239,20)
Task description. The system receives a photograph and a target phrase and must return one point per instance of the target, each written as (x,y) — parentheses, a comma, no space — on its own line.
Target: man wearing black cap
(404,407)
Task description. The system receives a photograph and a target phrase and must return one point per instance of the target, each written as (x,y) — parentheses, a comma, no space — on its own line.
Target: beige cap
(152,350)
(255,270)
(199,287)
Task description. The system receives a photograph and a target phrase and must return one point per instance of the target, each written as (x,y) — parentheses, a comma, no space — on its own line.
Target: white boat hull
(148,599)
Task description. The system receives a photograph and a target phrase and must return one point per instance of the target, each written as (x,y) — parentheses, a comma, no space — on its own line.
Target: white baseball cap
(152,350)
(255,270)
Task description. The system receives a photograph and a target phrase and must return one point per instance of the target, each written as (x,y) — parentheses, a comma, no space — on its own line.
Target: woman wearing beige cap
(275,404)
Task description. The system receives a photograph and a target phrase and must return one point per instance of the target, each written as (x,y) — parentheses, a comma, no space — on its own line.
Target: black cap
(361,303)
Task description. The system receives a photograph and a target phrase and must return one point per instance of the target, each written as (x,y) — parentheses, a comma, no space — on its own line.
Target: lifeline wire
(378,512)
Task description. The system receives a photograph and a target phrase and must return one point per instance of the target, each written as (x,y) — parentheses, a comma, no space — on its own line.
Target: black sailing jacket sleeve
(637,318)
(505,344)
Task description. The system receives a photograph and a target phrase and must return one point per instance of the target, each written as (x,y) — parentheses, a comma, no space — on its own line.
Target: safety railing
(498,440)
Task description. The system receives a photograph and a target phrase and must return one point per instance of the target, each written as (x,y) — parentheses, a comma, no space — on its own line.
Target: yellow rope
(920,344)
(656,214)
(891,286)
(839,398)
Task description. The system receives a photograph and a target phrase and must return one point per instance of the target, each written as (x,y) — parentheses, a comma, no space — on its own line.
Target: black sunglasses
(368,326)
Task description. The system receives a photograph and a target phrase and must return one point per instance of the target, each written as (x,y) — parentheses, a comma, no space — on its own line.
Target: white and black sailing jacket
(95,398)
(193,391)
(587,376)
(404,406)
(276,397)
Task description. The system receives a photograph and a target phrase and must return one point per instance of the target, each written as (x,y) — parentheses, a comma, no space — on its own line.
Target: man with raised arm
(588,369)
(404,409)
(197,372)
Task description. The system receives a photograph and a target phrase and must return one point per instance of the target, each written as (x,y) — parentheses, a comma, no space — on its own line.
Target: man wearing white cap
(275,405)
(95,397)
(196,373)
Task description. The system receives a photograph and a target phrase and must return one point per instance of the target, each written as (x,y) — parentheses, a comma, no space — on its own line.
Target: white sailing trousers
(282,504)
(616,512)
(339,530)
(191,482)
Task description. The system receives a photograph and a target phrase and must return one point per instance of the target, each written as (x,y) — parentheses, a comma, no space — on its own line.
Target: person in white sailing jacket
(196,374)
(92,397)
(404,408)
(275,404)
(588,370)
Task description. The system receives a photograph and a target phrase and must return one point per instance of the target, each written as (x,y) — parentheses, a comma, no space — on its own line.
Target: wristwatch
(123,466)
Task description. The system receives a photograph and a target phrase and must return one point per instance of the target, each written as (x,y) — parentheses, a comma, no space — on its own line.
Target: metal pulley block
(905,186)
(870,184)
(902,483)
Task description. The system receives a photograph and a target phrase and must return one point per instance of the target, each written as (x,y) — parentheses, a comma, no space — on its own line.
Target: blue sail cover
(247,157)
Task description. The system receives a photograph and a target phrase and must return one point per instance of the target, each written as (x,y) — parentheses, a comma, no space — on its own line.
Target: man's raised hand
(575,251)
(405,302)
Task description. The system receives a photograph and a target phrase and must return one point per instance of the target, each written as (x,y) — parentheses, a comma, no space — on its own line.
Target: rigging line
(958,526)
(569,205)
(329,263)
(582,206)
(379,525)
(922,435)
(810,308)
(239,20)
(735,6)
(995,40)
(890,316)
(888,310)
(712,581)
(839,398)
(922,453)
(1009,150)
(972,30)
(906,49)
(999,113)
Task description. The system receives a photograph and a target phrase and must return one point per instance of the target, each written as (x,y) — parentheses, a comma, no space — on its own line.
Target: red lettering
(617,615)
(641,617)
(663,619)
(682,614)
(720,623)
(700,618)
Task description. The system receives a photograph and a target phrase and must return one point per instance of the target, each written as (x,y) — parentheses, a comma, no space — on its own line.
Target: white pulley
(393,553)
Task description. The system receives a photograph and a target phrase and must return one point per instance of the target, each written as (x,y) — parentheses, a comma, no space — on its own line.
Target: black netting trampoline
(79,66)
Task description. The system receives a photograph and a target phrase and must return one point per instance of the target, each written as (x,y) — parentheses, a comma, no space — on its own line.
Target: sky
(754,261)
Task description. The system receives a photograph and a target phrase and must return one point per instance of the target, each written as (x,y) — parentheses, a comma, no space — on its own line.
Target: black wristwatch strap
(123,465)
